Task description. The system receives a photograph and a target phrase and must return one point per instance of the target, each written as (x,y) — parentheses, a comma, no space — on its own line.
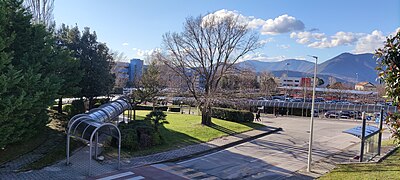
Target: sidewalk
(80,159)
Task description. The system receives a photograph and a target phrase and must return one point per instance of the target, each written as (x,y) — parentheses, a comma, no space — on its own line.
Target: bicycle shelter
(88,126)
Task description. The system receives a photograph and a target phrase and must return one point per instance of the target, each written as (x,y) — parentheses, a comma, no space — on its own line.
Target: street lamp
(312,116)
(356,78)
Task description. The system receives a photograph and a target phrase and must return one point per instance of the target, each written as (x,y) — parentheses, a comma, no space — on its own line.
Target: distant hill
(324,77)
(343,67)
(346,65)
(294,65)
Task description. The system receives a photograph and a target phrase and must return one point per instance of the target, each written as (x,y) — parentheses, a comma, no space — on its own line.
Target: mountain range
(345,67)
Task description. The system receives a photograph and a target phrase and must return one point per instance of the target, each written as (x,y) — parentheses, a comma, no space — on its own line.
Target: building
(290,81)
(135,70)
(365,86)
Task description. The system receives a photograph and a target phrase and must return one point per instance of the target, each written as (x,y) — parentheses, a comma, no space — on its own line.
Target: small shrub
(138,135)
(232,114)
(174,109)
(77,107)
(155,117)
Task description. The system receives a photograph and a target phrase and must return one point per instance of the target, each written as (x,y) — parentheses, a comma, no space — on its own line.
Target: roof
(364,84)
(357,131)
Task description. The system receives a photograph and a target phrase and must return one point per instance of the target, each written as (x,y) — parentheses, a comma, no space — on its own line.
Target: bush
(150,108)
(138,135)
(232,114)
(174,109)
(77,107)
(155,117)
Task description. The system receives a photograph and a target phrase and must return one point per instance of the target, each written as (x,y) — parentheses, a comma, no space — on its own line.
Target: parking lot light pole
(312,116)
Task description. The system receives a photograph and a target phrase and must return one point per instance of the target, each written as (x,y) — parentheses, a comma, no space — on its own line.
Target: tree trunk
(134,111)
(90,103)
(206,115)
(59,108)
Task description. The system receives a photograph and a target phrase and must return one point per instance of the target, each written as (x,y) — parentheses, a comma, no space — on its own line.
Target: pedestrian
(258,116)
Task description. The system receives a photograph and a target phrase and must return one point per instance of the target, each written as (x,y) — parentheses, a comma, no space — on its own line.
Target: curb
(220,147)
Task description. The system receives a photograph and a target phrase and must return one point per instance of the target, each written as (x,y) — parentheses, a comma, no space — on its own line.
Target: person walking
(258,116)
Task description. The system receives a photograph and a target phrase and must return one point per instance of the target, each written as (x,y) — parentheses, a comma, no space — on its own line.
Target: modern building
(135,69)
(365,86)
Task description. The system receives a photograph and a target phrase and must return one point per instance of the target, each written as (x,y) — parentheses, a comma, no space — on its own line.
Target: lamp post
(356,78)
(312,117)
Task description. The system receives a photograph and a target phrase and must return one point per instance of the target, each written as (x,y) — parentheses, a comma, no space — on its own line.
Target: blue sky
(289,29)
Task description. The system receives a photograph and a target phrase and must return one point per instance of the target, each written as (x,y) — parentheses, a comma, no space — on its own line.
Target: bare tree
(206,49)
(267,83)
(116,66)
(42,11)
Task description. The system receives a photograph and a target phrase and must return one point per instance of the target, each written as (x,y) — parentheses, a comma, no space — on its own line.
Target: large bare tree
(206,49)
(42,11)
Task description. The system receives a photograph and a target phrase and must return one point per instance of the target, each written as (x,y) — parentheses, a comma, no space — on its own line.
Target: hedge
(232,114)
(150,108)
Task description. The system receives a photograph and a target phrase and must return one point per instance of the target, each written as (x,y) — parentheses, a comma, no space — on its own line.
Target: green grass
(387,169)
(183,129)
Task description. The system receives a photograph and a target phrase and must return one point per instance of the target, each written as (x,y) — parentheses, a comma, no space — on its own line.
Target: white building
(290,81)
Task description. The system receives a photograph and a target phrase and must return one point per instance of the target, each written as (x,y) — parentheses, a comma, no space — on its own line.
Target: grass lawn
(387,169)
(183,129)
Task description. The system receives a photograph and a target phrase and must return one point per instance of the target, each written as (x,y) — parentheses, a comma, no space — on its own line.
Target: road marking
(136,178)
(117,176)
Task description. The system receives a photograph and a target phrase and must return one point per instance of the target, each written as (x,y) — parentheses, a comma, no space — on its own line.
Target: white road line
(117,176)
(136,178)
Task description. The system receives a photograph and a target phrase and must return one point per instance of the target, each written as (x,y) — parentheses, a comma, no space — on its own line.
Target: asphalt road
(277,156)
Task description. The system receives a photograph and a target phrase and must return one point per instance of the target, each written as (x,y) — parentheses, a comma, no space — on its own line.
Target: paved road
(146,172)
(276,156)
(281,155)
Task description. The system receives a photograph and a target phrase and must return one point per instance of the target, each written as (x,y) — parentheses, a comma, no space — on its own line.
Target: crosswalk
(123,176)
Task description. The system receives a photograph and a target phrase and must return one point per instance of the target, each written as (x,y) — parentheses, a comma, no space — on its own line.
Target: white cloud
(284,46)
(135,49)
(261,57)
(320,40)
(223,13)
(305,37)
(279,25)
(265,41)
(143,53)
(125,44)
(370,42)
(282,24)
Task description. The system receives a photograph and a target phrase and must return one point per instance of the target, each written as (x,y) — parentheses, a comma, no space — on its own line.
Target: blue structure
(135,70)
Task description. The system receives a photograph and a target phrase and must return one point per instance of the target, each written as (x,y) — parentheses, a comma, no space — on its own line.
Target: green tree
(389,73)
(150,84)
(69,69)
(95,62)
(29,80)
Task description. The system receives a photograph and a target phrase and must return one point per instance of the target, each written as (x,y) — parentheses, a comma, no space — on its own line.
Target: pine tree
(29,80)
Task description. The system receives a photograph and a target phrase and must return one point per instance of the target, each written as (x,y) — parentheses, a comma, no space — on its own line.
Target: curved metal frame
(97,118)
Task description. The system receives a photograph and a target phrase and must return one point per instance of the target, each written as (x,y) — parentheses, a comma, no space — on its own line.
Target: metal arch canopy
(307,105)
(88,126)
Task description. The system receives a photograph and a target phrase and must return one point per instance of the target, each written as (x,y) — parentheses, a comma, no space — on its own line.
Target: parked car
(345,114)
(331,114)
